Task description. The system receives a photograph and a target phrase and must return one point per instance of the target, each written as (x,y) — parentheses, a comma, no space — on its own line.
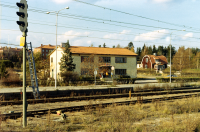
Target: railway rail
(105,96)
(32,113)
(80,106)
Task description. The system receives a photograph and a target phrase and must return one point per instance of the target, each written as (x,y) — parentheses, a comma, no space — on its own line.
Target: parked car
(171,76)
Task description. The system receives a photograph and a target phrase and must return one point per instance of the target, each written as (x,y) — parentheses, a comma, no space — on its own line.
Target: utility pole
(23,24)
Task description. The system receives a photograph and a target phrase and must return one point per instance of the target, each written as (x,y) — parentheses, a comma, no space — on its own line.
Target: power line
(108,31)
(118,12)
(79,17)
(132,14)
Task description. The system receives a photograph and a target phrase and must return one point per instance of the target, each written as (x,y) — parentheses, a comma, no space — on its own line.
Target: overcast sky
(111,22)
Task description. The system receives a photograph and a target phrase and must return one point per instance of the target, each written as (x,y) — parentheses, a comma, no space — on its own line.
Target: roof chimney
(41,45)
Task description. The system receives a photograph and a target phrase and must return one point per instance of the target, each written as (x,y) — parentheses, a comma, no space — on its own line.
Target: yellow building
(88,59)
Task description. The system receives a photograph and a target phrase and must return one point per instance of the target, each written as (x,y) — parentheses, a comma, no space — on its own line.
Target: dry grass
(170,116)
(12,80)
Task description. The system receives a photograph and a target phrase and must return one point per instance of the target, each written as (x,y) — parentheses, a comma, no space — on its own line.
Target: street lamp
(171,56)
(56,38)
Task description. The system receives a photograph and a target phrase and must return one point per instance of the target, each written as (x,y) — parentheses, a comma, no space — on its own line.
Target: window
(87,59)
(163,66)
(46,50)
(43,54)
(146,60)
(120,60)
(42,50)
(105,59)
(52,73)
(84,71)
(120,71)
(51,59)
(157,60)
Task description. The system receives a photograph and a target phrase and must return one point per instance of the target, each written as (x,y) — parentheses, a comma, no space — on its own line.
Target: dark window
(120,71)
(87,59)
(52,59)
(105,59)
(120,60)
(84,71)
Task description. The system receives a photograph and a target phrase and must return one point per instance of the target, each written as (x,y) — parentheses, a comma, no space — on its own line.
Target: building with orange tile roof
(154,62)
(44,50)
(8,52)
(123,60)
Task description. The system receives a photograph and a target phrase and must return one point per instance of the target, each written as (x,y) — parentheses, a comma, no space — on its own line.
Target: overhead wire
(74,16)
(116,25)
(156,20)
(133,14)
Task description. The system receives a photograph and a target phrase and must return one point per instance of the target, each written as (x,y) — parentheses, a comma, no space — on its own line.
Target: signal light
(23,15)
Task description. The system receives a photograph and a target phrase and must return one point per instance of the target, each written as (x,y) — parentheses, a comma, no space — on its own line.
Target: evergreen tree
(144,47)
(154,49)
(104,45)
(138,52)
(113,46)
(66,63)
(130,45)
(99,45)
(150,50)
(160,50)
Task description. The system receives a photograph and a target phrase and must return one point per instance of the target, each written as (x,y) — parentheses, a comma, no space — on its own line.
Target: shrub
(12,80)
(69,76)
(7,63)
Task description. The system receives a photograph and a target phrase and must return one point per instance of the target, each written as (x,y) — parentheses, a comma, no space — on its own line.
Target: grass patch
(158,116)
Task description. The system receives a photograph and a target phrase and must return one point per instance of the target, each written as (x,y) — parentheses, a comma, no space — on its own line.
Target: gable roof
(100,51)
(161,58)
(47,46)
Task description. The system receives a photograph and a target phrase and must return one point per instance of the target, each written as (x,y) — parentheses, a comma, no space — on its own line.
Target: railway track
(105,96)
(158,96)
(32,113)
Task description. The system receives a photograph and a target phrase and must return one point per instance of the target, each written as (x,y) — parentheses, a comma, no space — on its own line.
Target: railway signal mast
(23,24)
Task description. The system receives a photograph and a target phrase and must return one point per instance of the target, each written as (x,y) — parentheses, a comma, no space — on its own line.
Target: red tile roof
(47,46)
(161,58)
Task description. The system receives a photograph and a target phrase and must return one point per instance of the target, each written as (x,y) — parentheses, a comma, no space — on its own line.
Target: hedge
(178,79)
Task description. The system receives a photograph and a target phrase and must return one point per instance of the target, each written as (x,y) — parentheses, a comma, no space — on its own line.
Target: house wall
(130,66)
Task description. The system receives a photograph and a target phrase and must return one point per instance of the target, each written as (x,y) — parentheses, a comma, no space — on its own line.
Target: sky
(95,22)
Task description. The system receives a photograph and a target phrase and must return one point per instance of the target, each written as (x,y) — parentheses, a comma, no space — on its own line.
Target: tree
(130,45)
(66,63)
(104,45)
(113,46)
(181,60)
(99,45)
(139,50)
(132,49)
(196,61)
(160,50)
(144,52)
(3,72)
(150,50)
(154,50)
(118,46)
